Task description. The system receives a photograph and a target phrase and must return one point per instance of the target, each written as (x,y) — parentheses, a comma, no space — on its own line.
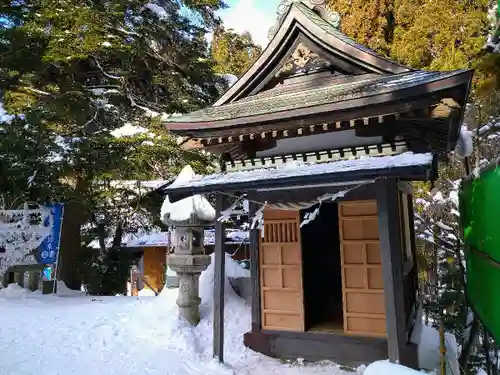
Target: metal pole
(442,347)
(58,252)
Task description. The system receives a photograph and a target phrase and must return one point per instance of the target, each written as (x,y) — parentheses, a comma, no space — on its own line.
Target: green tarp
(480,221)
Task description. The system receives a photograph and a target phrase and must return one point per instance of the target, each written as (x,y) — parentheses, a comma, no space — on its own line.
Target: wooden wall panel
(155,259)
(362,284)
(280,265)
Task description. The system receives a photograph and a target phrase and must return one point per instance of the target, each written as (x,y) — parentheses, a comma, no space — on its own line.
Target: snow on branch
(465,144)
(492,126)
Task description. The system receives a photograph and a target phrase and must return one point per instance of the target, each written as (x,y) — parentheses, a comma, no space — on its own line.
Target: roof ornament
(318,6)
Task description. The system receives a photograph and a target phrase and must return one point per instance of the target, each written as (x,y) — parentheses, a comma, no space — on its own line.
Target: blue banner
(48,249)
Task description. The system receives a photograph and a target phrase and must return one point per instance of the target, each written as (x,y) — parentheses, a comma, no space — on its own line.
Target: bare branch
(33,90)
(110,76)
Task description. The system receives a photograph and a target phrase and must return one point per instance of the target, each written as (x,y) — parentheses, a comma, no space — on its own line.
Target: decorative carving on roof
(318,6)
(302,60)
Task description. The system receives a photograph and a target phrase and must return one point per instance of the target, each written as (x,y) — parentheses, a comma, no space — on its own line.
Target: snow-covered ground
(83,335)
(80,335)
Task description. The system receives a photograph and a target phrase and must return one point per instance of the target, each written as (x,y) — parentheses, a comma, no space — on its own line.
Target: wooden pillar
(255,272)
(219,281)
(412,234)
(392,267)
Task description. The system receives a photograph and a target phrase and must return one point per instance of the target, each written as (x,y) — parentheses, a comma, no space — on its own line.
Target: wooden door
(155,259)
(362,283)
(280,249)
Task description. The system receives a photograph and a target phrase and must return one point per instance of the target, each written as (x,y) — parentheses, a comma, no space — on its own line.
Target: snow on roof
(298,170)
(194,205)
(182,210)
(233,237)
(150,239)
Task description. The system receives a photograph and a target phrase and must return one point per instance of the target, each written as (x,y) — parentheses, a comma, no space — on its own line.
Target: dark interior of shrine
(322,273)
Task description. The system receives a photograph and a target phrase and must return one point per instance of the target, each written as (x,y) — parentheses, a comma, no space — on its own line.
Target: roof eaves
(410,173)
(188,121)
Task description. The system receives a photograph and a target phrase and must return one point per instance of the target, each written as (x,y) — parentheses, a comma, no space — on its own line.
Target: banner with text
(49,248)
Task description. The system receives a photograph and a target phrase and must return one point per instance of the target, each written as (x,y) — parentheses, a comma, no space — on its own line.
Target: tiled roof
(284,98)
(407,159)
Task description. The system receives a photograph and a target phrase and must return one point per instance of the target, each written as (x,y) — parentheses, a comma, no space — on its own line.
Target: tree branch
(108,75)
(32,90)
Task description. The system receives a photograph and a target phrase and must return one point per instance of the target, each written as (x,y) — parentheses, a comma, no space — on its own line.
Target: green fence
(480,221)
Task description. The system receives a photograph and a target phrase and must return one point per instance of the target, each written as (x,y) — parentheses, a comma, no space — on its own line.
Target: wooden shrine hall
(324,136)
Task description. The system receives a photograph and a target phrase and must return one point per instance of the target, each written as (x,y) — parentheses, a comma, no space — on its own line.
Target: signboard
(49,248)
(479,207)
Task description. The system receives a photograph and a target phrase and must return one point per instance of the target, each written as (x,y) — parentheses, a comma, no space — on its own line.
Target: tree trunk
(463,359)
(487,352)
(71,246)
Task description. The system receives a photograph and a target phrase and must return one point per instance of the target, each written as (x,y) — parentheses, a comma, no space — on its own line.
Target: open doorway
(322,271)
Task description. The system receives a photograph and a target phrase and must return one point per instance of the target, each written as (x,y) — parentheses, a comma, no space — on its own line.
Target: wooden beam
(255,272)
(414,272)
(392,267)
(219,281)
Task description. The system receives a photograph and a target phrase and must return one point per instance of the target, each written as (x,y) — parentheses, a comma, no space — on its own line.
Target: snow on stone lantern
(188,217)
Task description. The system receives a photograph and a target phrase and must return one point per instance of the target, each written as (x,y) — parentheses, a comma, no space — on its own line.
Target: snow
(233,236)
(146,292)
(186,174)
(387,368)
(407,78)
(232,267)
(128,130)
(138,186)
(231,79)
(130,336)
(63,291)
(428,349)
(285,171)
(182,210)
(156,9)
(4,116)
(443,226)
(14,291)
(151,239)
(465,144)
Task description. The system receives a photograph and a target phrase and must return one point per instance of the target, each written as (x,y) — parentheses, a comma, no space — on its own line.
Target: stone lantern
(188,217)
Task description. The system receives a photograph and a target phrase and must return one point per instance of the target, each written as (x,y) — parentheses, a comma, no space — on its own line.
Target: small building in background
(152,273)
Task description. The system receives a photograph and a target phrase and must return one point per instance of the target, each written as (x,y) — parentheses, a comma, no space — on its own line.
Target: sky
(254,16)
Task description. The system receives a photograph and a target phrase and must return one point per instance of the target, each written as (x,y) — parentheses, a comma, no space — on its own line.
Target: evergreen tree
(435,35)
(233,53)
(369,22)
(437,223)
(77,71)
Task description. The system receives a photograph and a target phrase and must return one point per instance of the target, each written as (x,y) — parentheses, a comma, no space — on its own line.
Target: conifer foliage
(435,35)
(233,53)
(76,71)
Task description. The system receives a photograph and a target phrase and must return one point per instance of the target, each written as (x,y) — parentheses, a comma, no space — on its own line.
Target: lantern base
(188,269)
